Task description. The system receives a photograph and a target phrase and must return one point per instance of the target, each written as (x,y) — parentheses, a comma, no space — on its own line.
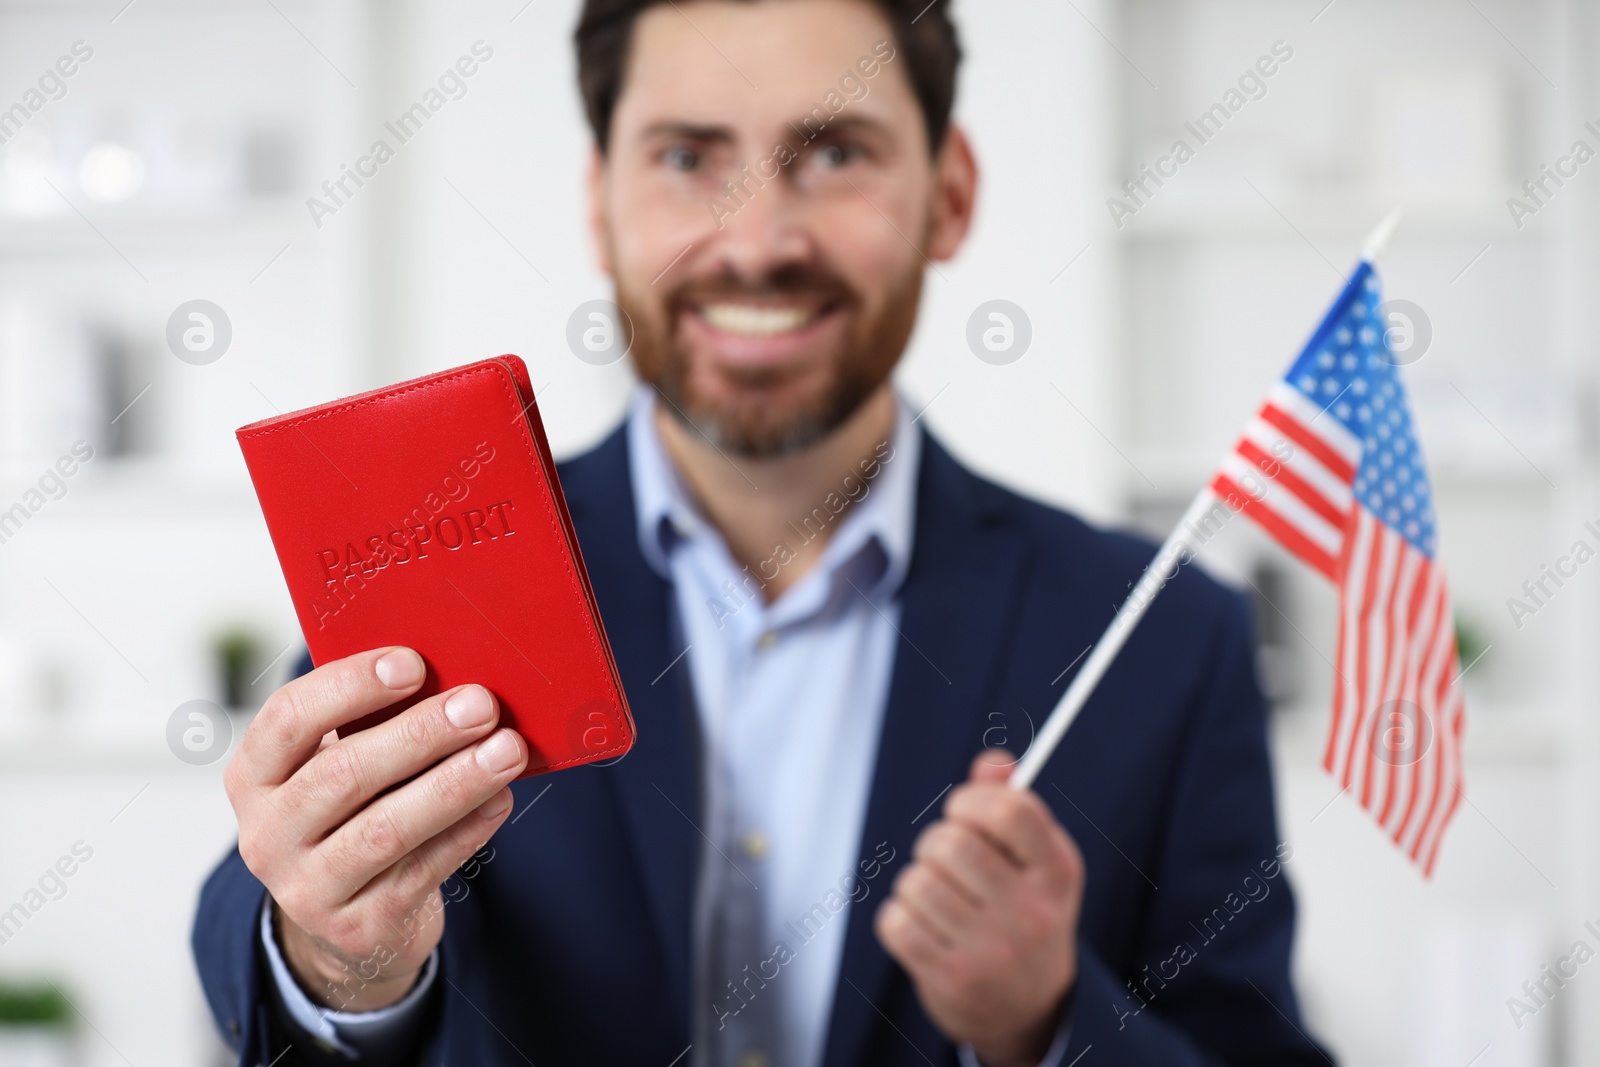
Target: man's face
(766,313)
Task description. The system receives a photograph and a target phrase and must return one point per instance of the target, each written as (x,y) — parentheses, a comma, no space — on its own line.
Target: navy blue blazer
(572,946)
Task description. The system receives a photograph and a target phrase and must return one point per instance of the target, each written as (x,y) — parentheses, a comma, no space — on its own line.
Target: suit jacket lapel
(655,783)
(957,602)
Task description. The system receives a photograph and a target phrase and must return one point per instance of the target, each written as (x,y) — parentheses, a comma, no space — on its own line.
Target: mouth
(762,332)
(756,320)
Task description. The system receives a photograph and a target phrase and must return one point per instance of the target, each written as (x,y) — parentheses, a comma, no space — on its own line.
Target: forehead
(733,61)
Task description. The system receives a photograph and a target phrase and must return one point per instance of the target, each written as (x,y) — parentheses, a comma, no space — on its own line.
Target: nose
(765,227)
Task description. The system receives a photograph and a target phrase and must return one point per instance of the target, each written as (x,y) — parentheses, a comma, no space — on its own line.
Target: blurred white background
(176,163)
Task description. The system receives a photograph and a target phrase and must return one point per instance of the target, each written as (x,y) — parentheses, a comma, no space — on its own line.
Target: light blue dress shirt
(790,697)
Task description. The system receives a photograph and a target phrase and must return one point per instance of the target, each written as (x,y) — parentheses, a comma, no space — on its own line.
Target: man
(822,622)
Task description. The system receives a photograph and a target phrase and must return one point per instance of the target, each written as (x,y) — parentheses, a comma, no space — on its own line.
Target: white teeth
(755,320)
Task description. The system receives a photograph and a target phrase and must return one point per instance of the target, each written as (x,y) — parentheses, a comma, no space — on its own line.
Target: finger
(1071,871)
(343,776)
(904,935)
(289,727)
(967,858)
(403,819)
(1015,820)
(992,765)
(945,907)
(425,868)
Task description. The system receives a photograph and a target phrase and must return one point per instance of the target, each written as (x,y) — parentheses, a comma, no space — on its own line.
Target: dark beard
(754,429)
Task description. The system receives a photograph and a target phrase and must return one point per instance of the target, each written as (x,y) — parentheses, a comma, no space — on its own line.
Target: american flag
(1332,469)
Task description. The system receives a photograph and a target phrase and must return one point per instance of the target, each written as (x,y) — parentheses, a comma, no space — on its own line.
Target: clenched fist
(353,835)
(985,920)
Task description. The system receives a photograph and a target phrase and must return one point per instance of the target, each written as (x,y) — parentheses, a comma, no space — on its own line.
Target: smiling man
(832,635)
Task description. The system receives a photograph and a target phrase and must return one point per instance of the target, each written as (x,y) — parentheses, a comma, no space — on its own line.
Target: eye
(679,157)
(833,156)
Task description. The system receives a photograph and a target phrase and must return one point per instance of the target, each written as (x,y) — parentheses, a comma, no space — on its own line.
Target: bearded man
(833,638)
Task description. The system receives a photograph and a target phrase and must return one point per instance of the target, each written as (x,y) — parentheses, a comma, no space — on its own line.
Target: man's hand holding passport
(433,568)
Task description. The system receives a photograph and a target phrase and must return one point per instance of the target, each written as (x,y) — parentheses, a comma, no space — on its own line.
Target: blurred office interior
(175,163)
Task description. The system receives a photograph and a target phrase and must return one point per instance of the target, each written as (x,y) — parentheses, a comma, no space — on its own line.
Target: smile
(758,320)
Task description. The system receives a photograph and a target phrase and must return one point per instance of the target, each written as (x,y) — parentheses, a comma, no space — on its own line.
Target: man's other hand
(985,918)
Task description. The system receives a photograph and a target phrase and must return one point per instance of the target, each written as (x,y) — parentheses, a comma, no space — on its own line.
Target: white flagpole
(1161,570)
(1378,239)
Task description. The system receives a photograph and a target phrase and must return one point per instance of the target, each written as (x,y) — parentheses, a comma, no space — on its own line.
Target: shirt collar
(883,514)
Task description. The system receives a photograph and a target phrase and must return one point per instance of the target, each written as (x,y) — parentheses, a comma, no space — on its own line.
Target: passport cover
(428,514)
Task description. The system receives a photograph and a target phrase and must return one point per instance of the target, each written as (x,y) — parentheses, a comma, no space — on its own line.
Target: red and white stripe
(1292,472)
(1398,714)
(1395,737)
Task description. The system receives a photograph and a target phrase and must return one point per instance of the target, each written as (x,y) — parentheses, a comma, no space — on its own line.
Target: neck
(757,504)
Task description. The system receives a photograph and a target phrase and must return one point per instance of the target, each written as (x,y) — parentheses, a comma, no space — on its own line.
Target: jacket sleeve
(1209,983)
(224,941)
(246,1002)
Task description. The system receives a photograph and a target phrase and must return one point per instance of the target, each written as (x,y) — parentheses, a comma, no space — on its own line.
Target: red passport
(428,514)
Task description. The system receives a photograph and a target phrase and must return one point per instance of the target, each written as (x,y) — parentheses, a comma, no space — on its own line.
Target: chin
(766,418)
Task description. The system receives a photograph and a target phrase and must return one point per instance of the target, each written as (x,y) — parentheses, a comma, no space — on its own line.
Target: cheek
(867,250)
(650,225)
(874,244)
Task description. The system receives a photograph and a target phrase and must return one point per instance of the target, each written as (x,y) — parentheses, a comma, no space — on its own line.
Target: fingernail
(470,707)
(499,753)
(495,807)
(400,669)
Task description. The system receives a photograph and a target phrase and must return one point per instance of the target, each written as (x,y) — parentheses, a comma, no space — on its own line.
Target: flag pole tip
(1378,239)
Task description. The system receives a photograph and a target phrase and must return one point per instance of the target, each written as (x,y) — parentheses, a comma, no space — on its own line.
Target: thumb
(992,765)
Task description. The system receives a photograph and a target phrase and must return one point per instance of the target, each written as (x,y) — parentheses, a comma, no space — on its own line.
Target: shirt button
(753,1057)
(754,844)
(768,639)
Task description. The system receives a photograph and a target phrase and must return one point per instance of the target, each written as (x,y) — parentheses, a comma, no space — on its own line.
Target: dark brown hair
(923,33)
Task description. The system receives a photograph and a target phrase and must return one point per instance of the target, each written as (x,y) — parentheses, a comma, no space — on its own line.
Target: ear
(955,194)
(596,184)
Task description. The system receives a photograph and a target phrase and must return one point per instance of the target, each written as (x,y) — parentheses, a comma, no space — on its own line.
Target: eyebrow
(718,134)
(845,124)
(692,131)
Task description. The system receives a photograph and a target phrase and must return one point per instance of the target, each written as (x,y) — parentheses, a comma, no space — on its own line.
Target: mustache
(813,281)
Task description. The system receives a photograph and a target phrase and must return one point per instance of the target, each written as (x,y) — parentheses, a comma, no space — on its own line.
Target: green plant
(33,1004)
(237,651)
(1470,643)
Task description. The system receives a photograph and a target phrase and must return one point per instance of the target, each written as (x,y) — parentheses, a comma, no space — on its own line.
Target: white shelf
(252,228)
(84,742)
(1216,213)
(128,488)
